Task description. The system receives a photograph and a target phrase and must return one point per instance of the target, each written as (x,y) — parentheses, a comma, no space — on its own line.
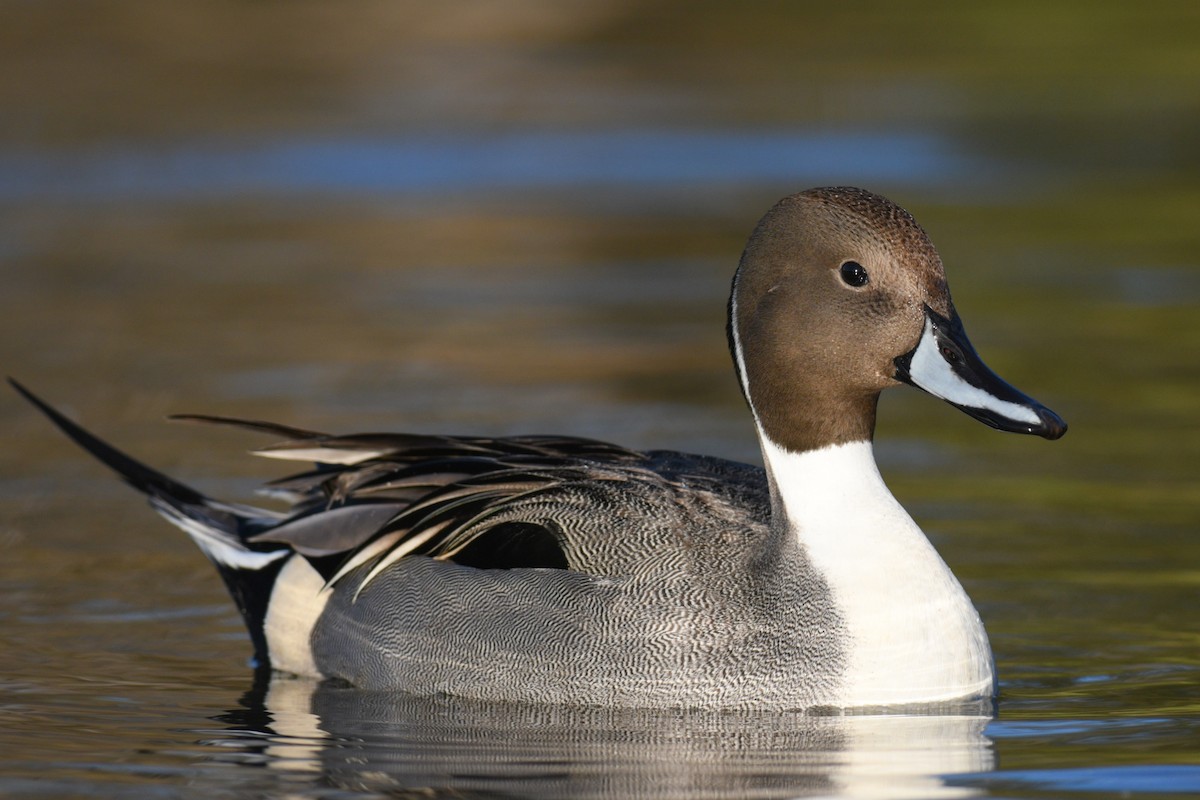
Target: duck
(563,570)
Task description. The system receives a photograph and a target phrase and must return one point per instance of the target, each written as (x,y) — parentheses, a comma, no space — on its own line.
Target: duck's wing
(524,501)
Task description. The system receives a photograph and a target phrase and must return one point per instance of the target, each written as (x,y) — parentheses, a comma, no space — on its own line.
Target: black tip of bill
(945,365)
(1047,424)
(1053,426)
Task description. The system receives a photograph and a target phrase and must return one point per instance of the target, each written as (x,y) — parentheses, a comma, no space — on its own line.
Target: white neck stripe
(738,356)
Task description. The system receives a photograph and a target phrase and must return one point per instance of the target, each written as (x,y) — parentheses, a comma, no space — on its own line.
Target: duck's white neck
(913,635)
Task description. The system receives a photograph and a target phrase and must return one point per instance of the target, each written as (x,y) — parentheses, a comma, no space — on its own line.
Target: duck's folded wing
(373,499)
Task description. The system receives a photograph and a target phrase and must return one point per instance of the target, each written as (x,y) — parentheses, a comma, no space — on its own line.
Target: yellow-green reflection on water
(514,217)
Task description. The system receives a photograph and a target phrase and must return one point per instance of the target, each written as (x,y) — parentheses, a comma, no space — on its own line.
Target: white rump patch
(929,370)
(296,604)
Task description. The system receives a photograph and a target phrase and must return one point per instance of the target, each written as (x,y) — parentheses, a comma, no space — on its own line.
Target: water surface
(507,218)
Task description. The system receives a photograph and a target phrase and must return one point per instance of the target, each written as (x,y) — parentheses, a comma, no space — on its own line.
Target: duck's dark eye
(854,274)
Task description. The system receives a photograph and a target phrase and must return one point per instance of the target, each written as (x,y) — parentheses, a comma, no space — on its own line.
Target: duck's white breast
(913,635)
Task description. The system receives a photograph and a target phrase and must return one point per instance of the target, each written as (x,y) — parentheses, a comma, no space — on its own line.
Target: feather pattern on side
(374,499)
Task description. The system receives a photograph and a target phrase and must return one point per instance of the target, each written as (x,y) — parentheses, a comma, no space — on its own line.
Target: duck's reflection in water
(329,736)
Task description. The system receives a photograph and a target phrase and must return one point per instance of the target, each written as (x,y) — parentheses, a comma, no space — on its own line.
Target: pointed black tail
(220,529)
(133,472)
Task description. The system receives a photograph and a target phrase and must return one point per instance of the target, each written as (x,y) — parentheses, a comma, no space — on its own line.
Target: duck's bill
(945,364)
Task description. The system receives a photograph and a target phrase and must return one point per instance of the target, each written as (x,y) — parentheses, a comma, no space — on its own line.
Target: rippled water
(504,218)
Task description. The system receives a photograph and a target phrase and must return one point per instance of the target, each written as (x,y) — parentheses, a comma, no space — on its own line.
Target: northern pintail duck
(565,570)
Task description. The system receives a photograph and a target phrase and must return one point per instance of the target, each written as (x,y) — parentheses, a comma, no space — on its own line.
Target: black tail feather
(250,586)
(133,472)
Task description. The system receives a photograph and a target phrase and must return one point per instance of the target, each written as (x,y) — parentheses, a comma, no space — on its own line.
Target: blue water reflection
(1172,779)
(519,160)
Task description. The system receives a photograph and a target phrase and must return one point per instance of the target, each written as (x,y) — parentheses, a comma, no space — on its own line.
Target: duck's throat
(912,634)
(800,418)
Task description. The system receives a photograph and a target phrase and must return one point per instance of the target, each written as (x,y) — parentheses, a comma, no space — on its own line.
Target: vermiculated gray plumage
(650,604)
(654,608)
